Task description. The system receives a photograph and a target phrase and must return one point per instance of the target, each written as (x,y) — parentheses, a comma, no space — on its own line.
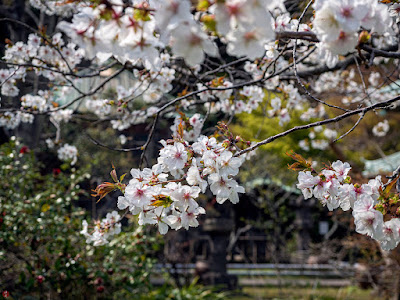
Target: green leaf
(122,177)
(162,200)
(386,192)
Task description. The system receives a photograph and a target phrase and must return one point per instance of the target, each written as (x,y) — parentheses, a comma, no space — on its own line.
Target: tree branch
(323,122)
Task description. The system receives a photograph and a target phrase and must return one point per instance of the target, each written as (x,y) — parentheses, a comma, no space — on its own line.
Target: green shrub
(42,253)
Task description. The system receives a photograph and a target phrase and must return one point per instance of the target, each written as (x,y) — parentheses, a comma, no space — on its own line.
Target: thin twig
(93,91)
(362,79)
(239,60)
(9,77)
(111,148)
(352,128)
(145,146)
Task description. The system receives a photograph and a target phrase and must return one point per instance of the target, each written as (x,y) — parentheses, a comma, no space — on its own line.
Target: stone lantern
(213,271)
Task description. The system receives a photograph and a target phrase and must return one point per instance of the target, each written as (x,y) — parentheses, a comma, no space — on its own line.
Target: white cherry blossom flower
(307,182)
(381,129)
(173,157)
(68,153)
(341,169)
(369,222)
(228,165)
(389,238)
(190,42)
(193,177)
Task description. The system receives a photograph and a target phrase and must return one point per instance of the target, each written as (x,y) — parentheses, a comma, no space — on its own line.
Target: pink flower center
(358,190)
(174,7)
(342,35)
(346,12)
(195,40)
(233,10)
(388,231)
(249,36)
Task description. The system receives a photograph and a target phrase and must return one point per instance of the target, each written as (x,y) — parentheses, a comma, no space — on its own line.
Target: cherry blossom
(381,129)
(68,153)
(333,189)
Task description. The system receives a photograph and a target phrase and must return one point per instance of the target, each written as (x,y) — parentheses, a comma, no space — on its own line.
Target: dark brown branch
(239,60)
(305,35)
(310,36)
(379,52)
(146,145)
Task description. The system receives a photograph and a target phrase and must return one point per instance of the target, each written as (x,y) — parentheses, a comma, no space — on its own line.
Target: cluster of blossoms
(142,32)
(345,83)
(62,115)
(222,99)
(157,81)
(189,128)
(247,27)
(288,99)
(148,87)
(111,31)
(248,99)
(337,23)
(277,110)
(56,7)
(318,138)
(34,102)
(11,120)
(103,229)
(372,203)
(47,58)
(8,80)
(100,107)
(341,82)
(139,30)
(68,153)
(52,55)
(381,129)
(166,194)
